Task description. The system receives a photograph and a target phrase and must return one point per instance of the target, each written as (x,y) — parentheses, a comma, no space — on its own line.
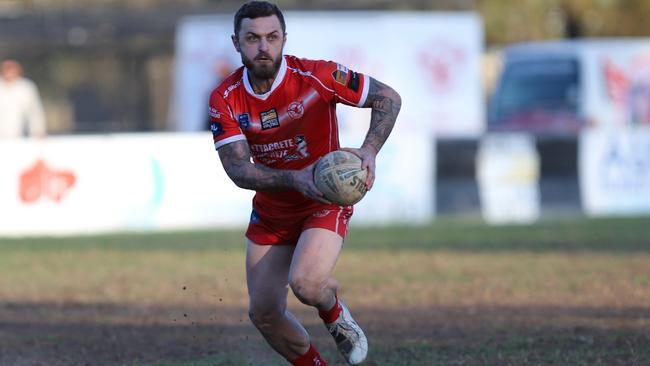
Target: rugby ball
(340,177)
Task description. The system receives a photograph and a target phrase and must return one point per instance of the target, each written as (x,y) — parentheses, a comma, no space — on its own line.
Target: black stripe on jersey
(354,81)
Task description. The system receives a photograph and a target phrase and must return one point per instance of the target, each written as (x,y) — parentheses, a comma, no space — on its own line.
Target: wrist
(370,148)
(291,178)
(294,179)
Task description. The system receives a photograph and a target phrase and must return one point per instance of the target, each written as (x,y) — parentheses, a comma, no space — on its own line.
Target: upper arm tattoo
(385,104)
(234,156)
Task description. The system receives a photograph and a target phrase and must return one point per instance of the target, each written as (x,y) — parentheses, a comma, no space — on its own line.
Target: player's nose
(263,45)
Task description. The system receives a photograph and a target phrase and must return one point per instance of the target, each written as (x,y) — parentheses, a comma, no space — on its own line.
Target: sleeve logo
(217,129)
(340,75)
(214,113)
(244,121)
(354,82)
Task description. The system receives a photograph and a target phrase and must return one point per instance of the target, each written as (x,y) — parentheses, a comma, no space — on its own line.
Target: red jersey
(290,126)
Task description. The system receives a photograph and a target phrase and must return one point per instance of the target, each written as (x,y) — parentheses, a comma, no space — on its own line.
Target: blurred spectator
(20,104)
(572,25)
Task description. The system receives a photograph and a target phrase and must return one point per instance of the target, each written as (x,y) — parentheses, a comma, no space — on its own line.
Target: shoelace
(342,328)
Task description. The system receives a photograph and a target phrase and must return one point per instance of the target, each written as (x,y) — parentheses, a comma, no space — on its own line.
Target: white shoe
(349,337)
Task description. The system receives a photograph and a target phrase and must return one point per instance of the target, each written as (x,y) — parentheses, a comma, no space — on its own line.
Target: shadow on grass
(105,334)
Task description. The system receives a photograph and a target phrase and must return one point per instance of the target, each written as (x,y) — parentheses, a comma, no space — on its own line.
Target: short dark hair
(258,9)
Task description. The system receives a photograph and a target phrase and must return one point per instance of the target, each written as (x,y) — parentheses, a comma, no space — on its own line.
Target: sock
(311,358)
(332,314)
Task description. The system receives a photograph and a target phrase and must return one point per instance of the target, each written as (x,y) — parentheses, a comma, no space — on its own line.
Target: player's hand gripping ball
(340,177)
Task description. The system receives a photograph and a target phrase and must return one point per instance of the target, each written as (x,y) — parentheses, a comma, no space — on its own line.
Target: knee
(265,317)
(308,290)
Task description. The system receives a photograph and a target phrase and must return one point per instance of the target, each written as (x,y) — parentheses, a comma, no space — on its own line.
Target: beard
(262,71)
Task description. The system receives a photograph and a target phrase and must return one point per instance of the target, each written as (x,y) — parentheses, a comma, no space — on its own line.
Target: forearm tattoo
(236,160)
(385,104)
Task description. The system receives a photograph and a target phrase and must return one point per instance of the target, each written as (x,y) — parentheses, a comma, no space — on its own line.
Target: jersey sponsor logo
(230,88)
(271,152)
(273,146)
(340,75)
(301,72)
(217,129)
(213,112)
(296,110)
(353,83)
(301,149)
(244,121)
(301,145)
(269,119)
(287,150)
(322,213)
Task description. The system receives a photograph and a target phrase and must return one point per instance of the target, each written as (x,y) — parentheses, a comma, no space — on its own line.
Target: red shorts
(283,227)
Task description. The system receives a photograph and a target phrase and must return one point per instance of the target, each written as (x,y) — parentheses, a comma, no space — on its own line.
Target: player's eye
(273,37)
(251,38)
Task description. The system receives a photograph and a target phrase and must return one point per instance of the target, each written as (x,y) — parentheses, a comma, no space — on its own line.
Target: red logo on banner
(442,62)
(41,181)
(617,81)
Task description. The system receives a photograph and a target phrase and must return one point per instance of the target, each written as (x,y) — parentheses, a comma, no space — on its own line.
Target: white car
(559,87)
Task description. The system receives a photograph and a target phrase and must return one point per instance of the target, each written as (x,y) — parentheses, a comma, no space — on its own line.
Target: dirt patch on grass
(105,334)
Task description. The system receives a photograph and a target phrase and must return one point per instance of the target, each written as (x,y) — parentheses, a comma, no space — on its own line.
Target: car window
(540,85)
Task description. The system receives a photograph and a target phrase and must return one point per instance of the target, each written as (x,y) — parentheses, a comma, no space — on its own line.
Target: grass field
(457,292)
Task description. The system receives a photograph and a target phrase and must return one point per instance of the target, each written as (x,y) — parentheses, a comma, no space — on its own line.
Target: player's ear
(284,41)
(235,42)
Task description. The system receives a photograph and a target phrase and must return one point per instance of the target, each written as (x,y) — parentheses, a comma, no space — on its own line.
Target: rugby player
(271,120)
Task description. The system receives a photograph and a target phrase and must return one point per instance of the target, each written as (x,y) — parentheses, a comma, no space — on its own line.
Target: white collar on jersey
(276,82)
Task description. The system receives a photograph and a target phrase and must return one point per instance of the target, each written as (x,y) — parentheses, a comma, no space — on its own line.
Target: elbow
(238,176)
(397,100)
(240,181)
(243,184)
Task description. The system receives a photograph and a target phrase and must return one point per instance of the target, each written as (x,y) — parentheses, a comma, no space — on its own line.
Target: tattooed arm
(385,104)
(236,160)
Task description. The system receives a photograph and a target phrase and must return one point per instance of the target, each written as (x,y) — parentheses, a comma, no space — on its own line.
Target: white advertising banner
(508,178)
(431,59)
(614,171)
(68,185)
(90,184)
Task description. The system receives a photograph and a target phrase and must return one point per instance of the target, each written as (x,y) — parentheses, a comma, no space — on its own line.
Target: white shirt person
(20,104)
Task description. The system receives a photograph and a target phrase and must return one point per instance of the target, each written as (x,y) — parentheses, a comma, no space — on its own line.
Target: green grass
(620,234)
(457,292)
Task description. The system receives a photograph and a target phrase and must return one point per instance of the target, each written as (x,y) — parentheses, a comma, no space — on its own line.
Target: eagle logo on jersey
(295,110)
(269,119)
